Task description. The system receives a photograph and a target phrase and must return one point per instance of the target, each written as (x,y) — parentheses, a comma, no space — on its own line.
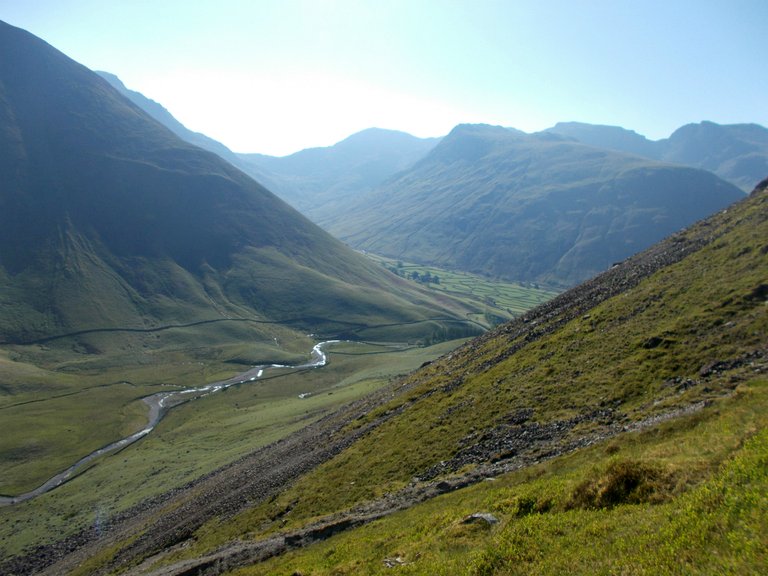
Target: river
(159,404)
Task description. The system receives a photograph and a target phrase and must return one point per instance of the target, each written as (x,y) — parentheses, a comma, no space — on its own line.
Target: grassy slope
(630,353)
(184,446)
(715,525)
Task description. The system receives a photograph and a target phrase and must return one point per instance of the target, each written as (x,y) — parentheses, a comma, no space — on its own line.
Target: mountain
(319,181)
(610,137)
(539,208)
(162,115)
(159,113)
(620,428)
(109,221)
(737,153)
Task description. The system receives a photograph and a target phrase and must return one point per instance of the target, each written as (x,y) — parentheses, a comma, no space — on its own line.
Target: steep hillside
(162,115)
(624,425)
(527,207)
(320,181)
(737,153)
(109,221)
(317,181)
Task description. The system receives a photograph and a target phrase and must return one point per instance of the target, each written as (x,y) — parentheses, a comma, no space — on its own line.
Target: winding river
(159,404)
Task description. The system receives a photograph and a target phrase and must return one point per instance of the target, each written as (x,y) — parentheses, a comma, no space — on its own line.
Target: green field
(193,439)
(500,300)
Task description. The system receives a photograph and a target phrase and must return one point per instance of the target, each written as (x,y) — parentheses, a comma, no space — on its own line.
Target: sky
(278,76)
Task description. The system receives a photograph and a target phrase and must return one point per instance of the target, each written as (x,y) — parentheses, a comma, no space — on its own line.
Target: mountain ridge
(737,153)
(162,115)
(527,207)
(319,181)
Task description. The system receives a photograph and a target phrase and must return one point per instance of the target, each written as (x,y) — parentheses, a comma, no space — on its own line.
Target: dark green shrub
(622,482)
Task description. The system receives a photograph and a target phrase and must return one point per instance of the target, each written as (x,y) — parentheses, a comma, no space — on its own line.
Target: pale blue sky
(276,76)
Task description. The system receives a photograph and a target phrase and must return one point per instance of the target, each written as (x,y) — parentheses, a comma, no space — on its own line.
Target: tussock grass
(711,521)
(622,482)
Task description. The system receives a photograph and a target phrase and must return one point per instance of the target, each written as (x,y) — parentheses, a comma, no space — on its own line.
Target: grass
(196,438)
(643,353)
(58,405)
(497,299)
(711,520)
(41,438)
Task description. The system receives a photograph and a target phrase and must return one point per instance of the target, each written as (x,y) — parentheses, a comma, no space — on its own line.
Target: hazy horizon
(275,77)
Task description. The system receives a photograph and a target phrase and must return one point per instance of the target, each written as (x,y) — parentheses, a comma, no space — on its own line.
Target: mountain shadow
(108,219)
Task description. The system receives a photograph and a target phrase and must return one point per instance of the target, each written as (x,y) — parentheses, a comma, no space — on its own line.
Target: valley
(124,398)
(159,404)
(183,446)
(666,396)
(499,300)
(488,353)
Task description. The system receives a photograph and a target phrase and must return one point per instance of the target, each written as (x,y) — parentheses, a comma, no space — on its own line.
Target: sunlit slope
(109,220)
(528,207)
(677,334)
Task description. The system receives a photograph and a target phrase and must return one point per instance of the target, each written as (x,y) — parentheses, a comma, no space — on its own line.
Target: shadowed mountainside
(162,115)
(109,220)
(527,207)
(316,181)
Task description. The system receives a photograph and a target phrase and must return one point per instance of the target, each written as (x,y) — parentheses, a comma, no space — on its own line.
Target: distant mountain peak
(486,129)
(735,152)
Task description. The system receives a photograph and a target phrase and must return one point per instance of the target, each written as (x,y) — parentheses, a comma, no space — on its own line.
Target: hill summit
(737,153)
